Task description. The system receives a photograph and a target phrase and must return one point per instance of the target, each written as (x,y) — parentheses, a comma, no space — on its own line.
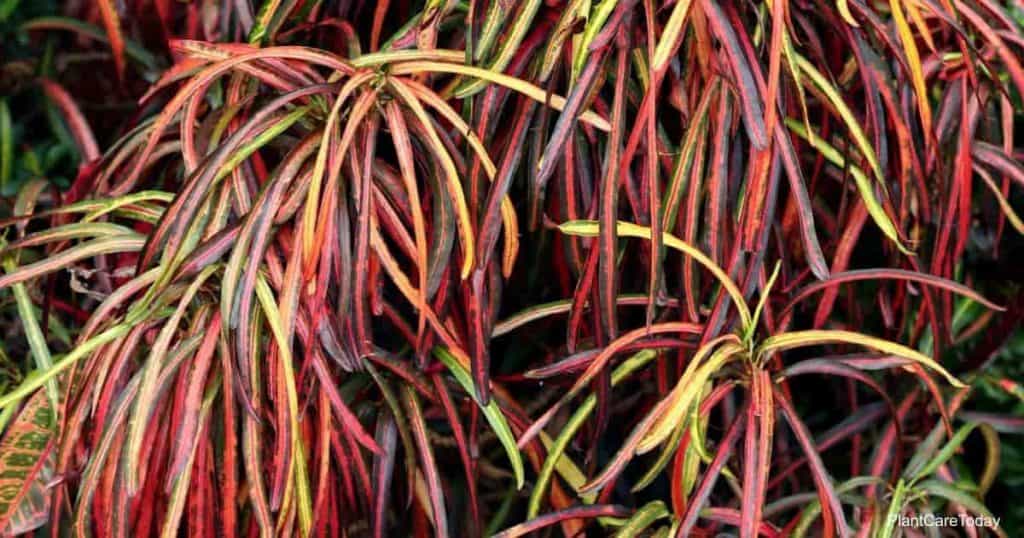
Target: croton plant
(518,267)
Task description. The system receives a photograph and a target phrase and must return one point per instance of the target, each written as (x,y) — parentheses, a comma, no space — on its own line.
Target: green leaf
(643,518)
(33,333)
(6,145)
(491,412)
(950,492)
(945,453)
(510,45)
(864,186)
(31,383)
(556,450)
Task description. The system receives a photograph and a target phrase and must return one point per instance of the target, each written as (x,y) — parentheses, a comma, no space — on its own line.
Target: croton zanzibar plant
(568,267)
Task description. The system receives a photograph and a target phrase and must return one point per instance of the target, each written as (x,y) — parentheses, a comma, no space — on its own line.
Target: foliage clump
(489,267)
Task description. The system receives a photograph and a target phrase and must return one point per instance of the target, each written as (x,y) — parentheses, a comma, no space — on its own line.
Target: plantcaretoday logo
(932,520)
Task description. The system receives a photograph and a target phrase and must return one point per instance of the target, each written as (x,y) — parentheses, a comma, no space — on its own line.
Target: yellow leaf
(589,228)
(537,94)
(667,42)
(844,11)
(795,339)
(689,387)
(867,193)
(914,62)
